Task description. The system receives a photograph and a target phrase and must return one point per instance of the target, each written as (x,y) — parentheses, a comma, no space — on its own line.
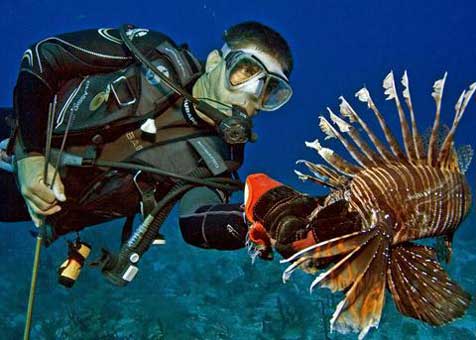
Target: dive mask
(245,72)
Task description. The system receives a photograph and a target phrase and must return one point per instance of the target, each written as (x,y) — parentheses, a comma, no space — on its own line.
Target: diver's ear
(213,59)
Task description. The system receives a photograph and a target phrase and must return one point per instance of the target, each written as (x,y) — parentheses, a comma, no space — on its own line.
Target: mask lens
(243,70)
(276,94)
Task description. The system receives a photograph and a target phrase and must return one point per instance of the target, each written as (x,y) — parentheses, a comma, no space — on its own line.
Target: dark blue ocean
(183,292)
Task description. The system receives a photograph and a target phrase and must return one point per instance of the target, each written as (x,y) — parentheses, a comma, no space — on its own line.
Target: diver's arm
(45,68)
(207,222)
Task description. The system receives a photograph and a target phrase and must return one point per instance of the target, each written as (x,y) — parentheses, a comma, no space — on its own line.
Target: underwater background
(183,292)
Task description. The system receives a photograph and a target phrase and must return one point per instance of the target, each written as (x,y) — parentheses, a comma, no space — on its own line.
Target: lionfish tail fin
(360,270)
(421,288)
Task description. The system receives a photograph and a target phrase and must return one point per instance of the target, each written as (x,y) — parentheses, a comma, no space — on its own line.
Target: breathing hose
(120,269)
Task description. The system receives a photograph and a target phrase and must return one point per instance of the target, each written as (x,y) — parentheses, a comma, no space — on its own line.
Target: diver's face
(214,83)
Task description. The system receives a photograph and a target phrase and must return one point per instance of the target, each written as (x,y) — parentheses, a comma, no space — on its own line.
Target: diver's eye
(243,71)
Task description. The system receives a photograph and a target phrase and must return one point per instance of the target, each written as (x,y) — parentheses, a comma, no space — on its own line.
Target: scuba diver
(110,123)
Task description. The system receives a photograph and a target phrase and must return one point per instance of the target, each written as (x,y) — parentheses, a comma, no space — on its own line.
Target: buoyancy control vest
(109,110)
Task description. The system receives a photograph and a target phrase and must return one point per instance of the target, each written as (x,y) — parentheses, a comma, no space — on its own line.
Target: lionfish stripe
(417,140)
(391,92)
(421,288)
(437,94)
(347,111)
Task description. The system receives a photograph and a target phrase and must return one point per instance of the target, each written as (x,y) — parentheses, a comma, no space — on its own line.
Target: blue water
(187,293)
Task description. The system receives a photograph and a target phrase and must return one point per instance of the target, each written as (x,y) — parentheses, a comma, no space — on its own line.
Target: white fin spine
(417,140)
(391,92)
(334,160)
(324,173)
(347,111)
(352,132)
(326,128)
(361,159)
(364,95)
(447,146)
(304,177)
(437,94)
(341,124)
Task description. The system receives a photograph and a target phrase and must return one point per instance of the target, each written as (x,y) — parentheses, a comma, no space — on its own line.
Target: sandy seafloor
(187,293)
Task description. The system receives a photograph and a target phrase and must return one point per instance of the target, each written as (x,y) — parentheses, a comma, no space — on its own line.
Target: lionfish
(399,197)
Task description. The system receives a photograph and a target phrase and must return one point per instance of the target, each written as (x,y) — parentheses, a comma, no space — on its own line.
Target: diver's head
(251,70)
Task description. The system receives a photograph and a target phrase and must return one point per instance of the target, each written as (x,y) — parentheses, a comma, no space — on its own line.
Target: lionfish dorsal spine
(437,94)
(337,162)
(345,127)
(364,96)
(417,140)
(347,111)
(391,92)
(327,176)
(447,146)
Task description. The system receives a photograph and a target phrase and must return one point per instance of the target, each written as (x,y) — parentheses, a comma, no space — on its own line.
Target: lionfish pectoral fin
(361,309)
(360,270)
(421,288)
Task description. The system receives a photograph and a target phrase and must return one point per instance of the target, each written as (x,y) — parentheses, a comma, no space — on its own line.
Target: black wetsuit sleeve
(48,64)
(207,222)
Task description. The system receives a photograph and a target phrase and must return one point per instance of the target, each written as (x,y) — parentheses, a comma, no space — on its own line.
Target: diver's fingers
(39,202)
(58,189)
(39,190)
(50,210)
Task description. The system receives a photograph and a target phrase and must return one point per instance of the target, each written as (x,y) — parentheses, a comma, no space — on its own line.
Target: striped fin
(391,92)
(318,180)
(345,127)
(421,288)
(443,158)
(334,160)
(325,174)
(417,140)
(336,246)
(437,94)
(347,111)
(360,271)
(364,96)
(361,159)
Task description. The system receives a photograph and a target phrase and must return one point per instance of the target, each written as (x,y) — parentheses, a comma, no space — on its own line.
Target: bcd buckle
(122,88)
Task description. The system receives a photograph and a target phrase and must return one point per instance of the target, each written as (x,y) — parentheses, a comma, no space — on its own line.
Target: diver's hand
(279,215)
(40,199)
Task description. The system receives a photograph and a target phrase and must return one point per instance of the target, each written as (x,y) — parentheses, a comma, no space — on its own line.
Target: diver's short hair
(265,38)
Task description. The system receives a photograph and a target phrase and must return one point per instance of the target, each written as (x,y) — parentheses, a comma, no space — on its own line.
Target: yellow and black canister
(70,269)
